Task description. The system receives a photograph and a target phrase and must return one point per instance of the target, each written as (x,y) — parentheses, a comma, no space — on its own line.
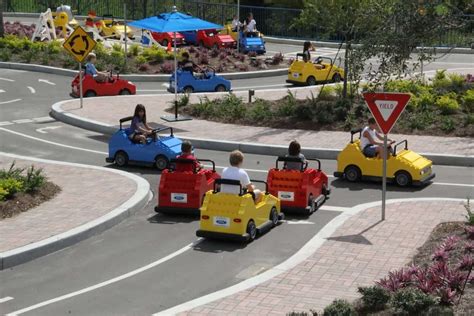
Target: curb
(251,148)
(52,244)
(438,50)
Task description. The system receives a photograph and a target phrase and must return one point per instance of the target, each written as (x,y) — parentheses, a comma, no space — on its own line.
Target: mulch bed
(23,202)
(425,252)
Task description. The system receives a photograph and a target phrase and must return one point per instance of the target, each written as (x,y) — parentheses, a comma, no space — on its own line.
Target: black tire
(164,43)
(125,92)
(188,89)
(325,192)
(311,204)
(161,162)
(90,94)
(336,78)
(274,216)
(221,88)
(352,173)
(251,230)
(121,158)
(311,81)
(403,179)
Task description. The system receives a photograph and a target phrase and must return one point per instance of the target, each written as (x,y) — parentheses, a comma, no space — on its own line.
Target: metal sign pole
(384,180)
(238,25)
(80,82)
(175,78)
(125,28)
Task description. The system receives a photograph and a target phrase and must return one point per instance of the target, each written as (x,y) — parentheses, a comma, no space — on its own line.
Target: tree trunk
(2,32)
(346,68)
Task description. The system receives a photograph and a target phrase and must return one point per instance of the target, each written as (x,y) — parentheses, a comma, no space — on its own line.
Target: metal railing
(271,21)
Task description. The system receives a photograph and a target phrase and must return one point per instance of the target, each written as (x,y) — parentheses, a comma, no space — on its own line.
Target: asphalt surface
(145,238)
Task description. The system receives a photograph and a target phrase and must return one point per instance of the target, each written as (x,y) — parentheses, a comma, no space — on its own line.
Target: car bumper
(73,95)
(109,160)
(297,83)
(177,210)
(338,174)
(217,235)
(424,180)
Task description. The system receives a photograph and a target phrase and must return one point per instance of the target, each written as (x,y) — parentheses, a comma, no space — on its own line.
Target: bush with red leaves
(18,29)
(167,68)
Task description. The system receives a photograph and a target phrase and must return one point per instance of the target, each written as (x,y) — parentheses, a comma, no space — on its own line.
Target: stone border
(252,148)
(52,244)
(302,254)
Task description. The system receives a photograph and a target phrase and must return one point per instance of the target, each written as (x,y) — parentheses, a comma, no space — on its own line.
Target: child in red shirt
(187,153)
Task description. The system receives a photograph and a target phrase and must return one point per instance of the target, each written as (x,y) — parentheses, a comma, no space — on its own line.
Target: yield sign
(386,108)
(79,44)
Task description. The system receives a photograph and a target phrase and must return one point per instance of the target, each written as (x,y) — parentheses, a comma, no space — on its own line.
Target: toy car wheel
(274,216)
(125,92)
(215,46)
(402,178)
(161,162)
(352,173)
(121,159)
(251,230)
(188,89)
(164,43)
(90,94)
(221,88)
(311,81)
(336,78)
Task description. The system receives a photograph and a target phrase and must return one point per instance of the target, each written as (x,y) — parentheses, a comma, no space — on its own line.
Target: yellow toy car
(109,28)
(312,72)
(403,168)
(237,216)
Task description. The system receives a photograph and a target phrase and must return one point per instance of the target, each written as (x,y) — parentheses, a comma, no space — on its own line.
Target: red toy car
(212,39)
(91,88)
(183,191)
(168,37)
(300,191)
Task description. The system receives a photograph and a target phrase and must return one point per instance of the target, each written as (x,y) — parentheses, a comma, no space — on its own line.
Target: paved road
(146,239)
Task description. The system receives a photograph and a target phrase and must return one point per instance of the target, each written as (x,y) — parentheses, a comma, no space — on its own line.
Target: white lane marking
(44,129)
(47,82)
(6,123)
(43,119)
(300,256)
(22,121)
(283,85)
(149,90)
(52,143)
(5,299)
(108,282)
(32,90)
(2,91)
(9,80)
(11,101)
(298,222)
(454,184)
(334,208)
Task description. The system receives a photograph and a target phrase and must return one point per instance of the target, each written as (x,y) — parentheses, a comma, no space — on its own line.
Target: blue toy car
(251,43)
(207,81)
(157,151)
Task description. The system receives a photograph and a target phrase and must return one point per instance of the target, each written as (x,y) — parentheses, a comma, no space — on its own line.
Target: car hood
(172,143)
(226,39)
(253,41)
(417,161)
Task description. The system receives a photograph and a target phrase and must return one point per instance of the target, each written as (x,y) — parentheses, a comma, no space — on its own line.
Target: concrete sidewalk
(108,110)
(355,249)
(87,196)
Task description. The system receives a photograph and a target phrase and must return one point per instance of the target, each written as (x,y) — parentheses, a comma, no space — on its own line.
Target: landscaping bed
(443,106)
(22,189)
(17,47)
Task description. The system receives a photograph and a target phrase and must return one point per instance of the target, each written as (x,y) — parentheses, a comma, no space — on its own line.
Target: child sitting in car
(187,153)
(140,128)
(368,141)
(294,151)
(235,172)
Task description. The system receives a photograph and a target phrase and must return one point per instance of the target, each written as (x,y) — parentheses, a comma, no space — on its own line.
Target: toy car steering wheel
(318,60)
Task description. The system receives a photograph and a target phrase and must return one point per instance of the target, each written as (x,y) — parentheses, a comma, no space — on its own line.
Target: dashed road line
(6,79)
(11,101)
(6,123)
(43,119)
(2,91)
(23,121)
(32,120)
(47,82)
(44,129)
(5,299)
(32,90)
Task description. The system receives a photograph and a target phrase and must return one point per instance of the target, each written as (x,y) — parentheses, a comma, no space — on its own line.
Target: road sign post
(386,108)
(79,44)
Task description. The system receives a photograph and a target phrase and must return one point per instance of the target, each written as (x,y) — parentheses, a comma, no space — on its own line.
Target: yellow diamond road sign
(79,44)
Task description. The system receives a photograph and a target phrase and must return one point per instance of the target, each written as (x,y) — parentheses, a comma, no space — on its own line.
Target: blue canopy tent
(174,22)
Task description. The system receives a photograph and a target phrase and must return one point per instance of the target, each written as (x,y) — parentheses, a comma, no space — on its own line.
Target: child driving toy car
(187,153)
(294,151)
(140,128)
(235,172)
(92,71)
(236,24)
(307,47)
(370,147)
(250,26)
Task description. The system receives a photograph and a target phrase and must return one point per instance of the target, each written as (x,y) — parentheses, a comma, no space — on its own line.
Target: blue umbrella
(174,22)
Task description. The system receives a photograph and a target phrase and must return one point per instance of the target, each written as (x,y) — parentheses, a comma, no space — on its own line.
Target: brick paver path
(109,111)
(86,195)
(360,251)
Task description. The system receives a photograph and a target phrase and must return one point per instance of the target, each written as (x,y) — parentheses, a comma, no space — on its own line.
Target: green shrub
(411,301)
(341,109)
(12,172)
(5,54)
(424,101)
(116,47)
(204,109)
(447,105)
(3,194)
(339,308)
(231,108)
(53,48)
(458,82)
(154,55)
(447,124)
(470,213)
(374,298)
(259,111)
(140,60)
(326,93)
(287,106)
(468,101)
(469,119)
(34,179)
(324,112)
(311,313)
(100,51)
(10,185)
(183,101)
(134,50)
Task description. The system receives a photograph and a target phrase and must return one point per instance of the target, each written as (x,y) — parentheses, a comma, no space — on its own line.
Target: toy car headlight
(130,82)
(425,170)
